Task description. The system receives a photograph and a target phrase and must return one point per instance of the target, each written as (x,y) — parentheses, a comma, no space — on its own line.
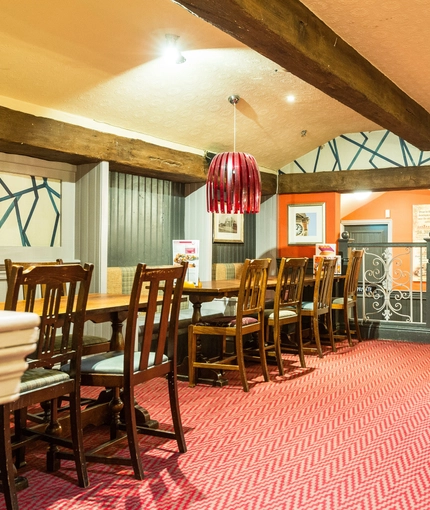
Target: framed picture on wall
(306,223)
(30,218)
(228,228)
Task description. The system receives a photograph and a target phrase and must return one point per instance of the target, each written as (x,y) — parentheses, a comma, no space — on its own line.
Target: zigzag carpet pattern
(350,432)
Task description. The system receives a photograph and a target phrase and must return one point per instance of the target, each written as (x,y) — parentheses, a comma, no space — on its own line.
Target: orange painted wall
(400,205)
(332,213)
(398,202)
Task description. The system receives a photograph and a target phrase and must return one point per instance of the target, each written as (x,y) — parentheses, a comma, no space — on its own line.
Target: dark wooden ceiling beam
(350,181)
(269,184)
(39,137)
(288,33)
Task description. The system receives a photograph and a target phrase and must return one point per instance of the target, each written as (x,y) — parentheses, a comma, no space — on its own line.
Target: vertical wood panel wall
(267,231)
(260,233)
(145,215)
(198,226)
(91,220)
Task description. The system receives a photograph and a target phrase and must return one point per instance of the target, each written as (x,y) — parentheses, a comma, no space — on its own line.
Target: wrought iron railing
(392,283)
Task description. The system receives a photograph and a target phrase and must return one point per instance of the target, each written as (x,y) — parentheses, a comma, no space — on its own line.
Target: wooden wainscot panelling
(348,181)
(288,33)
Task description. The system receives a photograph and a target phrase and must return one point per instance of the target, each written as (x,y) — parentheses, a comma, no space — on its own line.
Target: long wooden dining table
(216,289)
(101,308)
(207,291)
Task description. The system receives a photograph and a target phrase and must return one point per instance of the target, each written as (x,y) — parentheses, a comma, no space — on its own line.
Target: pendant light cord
(234,99)
(234,128)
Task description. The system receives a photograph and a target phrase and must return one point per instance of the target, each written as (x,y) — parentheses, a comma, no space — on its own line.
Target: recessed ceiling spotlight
(171,51)
(291,98)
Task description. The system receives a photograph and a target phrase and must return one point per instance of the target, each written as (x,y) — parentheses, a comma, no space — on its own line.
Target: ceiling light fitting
(233,184)
(172,52)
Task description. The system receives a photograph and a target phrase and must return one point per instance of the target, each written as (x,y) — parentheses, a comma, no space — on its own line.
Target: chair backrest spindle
(352,274)
(289,287)
(8,263)
(58,314)
(165,281)
(324,282)
(252,291)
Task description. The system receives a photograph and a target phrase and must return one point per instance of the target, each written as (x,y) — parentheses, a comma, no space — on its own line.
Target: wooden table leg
(117,343)
(197,311)
(117,339)
(204,375)
(143,418)
(21,482)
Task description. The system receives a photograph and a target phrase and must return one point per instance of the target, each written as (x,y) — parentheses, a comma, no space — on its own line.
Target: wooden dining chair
(44,380)
(8,263)
(91,344)
(123,371)
(320,307)
(249,318)
(349,299)
(287,306)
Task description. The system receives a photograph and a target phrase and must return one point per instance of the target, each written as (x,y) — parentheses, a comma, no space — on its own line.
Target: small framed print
(228,228)
(306,223)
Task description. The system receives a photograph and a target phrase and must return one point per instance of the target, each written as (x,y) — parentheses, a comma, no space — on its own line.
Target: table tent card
(188,251)
(327,250)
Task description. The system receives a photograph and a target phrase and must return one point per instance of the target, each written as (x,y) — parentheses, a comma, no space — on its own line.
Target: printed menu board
(188,251)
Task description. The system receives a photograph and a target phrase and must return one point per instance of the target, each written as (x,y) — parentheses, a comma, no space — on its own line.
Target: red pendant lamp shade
(233,184)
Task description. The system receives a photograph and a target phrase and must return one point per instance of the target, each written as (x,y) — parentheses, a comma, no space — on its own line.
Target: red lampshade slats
(233,184)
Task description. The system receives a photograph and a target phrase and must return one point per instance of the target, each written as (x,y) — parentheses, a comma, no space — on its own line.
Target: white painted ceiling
(102,60)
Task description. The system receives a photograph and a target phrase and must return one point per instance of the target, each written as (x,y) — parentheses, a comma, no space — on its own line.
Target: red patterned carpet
(351,432)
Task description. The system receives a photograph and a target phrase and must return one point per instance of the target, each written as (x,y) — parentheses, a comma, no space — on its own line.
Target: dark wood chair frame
(287,306)
(321,305)
(157,358)
(60,314)
(250,305)
(8,263)
(91,344)
(349,301)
